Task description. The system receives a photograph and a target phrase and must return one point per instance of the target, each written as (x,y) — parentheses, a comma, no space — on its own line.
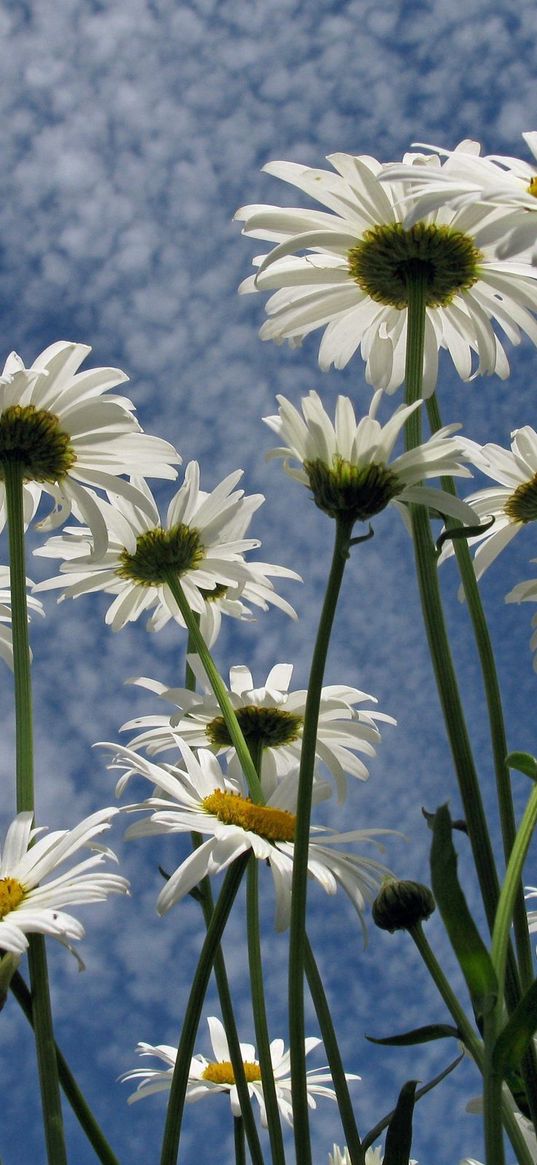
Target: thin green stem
(68,1083)
(37,960)
(238,1134)
(13,481)
(176,1102)
(346,1110)
(255,963)
(504,913)
(297,939)
(219,689)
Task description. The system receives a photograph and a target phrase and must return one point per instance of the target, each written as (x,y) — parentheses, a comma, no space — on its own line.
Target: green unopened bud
(401,905)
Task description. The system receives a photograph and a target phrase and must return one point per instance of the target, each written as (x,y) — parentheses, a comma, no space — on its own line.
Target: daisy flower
(199,798)
(346,269)
(462,177)
(202,543)
(68,435)
(525,592)
(513,500)
(31,901)
(6,641)
(271,718)
(347,465)
(208,1077)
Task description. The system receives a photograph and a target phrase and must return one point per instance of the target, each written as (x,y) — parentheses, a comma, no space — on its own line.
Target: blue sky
(130,132)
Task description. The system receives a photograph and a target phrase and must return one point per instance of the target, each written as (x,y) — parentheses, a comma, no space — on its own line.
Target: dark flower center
(160,553)
(268,727)
(522,505)
(388,257)
(354,492)
(33,438)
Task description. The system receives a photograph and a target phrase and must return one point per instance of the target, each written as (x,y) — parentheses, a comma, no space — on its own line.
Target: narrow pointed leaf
(465,938)
(382,1124)
(399,1135)
(461,532)
(420,1035)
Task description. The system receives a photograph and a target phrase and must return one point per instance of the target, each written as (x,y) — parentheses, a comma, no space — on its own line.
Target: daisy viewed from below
(272,720)
(347,466)
(347,270)
(512,502)
(199,798)
(69,434)
(201,543)
(31,901)
(209,1077)
(6,640)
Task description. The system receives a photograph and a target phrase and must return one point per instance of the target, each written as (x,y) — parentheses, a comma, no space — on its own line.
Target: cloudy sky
(131,131)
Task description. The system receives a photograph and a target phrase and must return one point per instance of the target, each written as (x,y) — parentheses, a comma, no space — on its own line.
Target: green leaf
(524,763)
(420,1035)
(382,1124)
(399,1135)
(474,959)
(455,532)
(513,1041)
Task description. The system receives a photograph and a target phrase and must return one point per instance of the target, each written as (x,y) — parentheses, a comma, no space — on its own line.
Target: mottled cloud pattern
(131,131)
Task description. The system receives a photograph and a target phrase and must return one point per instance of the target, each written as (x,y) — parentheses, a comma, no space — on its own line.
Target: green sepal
(399,1134)
(516,1036)
(474,959)
(523,762)
(462,532)
(420,1035)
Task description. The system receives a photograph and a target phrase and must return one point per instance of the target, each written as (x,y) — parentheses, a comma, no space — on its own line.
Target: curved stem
(260,1016)
(297,939)
(176,1102)
(219,689)
(346,1111)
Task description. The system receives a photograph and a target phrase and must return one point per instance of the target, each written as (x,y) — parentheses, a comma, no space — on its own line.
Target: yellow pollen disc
(532,188)
(231,809)
(222,1072)
(11,895)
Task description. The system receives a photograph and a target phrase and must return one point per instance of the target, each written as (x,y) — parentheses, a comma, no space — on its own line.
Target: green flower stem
(13,481)
(519,979)
(219,689)
(473,1045)
(238,1132)
(176,1102)
(436,630)
(68,1083)
(502,924)
(346,1111)
(245,1123)
(46,1053)
(260,1016)
(44,1034)
(297,938)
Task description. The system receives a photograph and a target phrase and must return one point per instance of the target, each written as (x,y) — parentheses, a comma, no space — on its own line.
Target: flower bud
(401,905)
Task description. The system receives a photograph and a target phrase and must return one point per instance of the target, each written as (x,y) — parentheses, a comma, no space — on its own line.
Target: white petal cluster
(28,865)
(309,274)
(152,1080)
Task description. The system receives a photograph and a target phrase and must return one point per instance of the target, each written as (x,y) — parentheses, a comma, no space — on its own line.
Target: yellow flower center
(532,188)
(11,895)
(387,257)
(268,822)
(161,552)
(222,1072)
(522,505)
(33,438)
(355,492)
(270,727)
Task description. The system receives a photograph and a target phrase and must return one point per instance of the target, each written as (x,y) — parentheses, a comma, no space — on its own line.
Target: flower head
(512,503)
(68,435)
(207,1077)
(271,718)
(347,463)
(6,640)
(348,269)
(30,900)
(202,543)
(199,798)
